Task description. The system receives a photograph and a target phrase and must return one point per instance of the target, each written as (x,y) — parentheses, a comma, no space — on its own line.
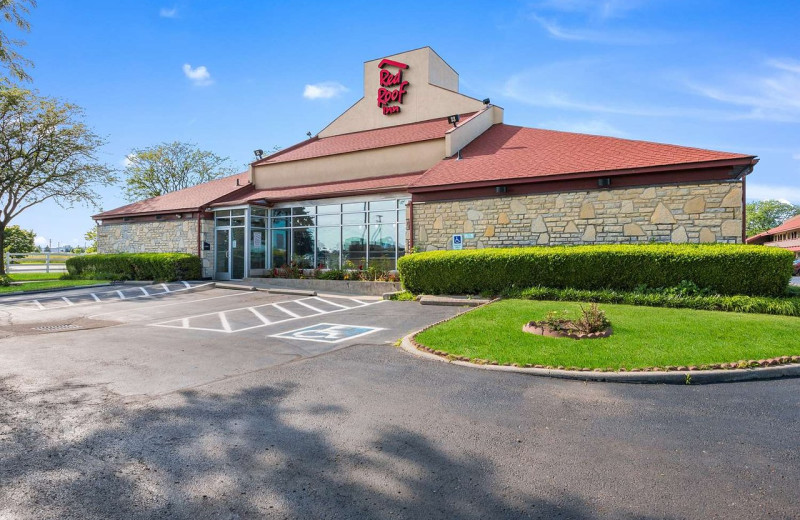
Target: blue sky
(231,76)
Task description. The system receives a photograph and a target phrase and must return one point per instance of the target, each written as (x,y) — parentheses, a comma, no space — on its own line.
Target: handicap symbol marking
(458,242)
(327,332)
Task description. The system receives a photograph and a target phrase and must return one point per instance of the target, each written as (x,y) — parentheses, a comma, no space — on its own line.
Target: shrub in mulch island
(592,323)
(725,269)
(163,267)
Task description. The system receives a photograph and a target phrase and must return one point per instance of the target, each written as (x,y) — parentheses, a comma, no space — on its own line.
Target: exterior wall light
(453,119)
(604,182)
(487,101)
(258,153)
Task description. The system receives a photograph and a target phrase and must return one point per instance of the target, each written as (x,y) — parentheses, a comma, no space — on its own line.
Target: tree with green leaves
(763,215)
(18,240)
(14,12)
(91,238)
(46,153)
(160,169)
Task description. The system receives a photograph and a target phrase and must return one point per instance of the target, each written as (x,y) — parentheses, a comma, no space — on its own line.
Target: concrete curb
(234,287)
(452,301)
(689,377)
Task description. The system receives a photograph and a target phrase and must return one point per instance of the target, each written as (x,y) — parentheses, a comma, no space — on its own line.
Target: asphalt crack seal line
(687,377)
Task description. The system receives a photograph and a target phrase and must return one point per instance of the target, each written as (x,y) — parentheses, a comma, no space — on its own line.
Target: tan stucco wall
(173,236)
(432,93)
(709,212)
(377,162)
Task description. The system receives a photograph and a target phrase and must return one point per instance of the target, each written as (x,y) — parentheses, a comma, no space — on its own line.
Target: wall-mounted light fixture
(258,153)
(454,119)
(500,189)
(178,216)
(308,134)
(487,101)
(604,182)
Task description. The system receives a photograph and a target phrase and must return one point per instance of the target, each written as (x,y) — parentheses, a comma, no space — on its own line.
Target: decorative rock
(731,228)
(518,207)
(502,219)
(662,215)
(590,234)
(695,205)
(707,236)
(679,235)
(626,207)
(633,230)
(489,231)
(468,226)
(733,199)
(538,225)
(605,196)
(438,223)
(474,215)
(570,227)
(587,210)
(544,239)
(649,193)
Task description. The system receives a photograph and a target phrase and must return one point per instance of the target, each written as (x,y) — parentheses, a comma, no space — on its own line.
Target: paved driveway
(143,417)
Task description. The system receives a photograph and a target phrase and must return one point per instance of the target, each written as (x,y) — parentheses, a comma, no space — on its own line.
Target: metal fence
(36,262)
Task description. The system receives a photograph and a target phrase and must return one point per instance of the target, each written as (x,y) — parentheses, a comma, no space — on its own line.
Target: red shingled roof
(183,200)
(366,140)
(506,152)
(790,225)
(328,189)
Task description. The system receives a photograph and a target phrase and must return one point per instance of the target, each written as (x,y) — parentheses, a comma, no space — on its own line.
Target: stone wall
(171,236)
(697,213)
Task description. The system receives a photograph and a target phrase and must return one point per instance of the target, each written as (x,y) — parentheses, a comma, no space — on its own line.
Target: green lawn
(27,277)
(643,337)
(38,286)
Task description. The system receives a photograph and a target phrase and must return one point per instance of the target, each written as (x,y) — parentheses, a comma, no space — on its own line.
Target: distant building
(786,236)
(416,164)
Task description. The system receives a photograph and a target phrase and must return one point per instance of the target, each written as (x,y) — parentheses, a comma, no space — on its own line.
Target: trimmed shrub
(722,268)
(162,267)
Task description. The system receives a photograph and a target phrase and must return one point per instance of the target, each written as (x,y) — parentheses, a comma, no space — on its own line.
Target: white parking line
(67,300)
(166,289)
(263,321)
(144,291)
(121,296)
(287,311)
(39,305)
(95,297)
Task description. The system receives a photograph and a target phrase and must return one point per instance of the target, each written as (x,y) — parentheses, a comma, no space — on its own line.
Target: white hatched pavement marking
(358,301)
(166,289)
(320,311)
(187,284)
(260,316)
(184,323)
(40,307)
(287,311)
(67,300)
(144,291)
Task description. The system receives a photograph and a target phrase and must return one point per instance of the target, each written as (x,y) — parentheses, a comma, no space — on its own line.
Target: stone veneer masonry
(170,236)
(696,213)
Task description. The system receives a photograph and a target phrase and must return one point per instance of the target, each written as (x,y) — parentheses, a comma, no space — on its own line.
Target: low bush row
(726,269)
(162,267)
(787,306)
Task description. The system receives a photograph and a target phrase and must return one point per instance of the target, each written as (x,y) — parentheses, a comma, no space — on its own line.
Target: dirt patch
(541,329)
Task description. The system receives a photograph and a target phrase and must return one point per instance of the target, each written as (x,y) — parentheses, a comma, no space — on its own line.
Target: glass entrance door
(237,253)
(222,255)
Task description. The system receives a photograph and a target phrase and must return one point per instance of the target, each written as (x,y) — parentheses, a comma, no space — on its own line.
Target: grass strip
(53,284)
(643,337)
(29,277)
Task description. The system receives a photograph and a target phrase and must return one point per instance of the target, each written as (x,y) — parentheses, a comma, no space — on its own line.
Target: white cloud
(168,13)
(771,94)
(199,76)
(796,156)
(600,9)
(615,37)
(324,90)
(757,191)
(40,241)
(126,161)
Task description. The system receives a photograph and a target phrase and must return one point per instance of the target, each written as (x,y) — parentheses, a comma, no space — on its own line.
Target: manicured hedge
(163,267)
(722,268)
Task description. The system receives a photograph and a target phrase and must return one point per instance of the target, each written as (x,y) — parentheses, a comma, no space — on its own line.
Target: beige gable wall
(377,162)
(432,93)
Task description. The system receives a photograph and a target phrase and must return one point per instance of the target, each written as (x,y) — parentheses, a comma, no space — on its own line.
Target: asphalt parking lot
(230,404)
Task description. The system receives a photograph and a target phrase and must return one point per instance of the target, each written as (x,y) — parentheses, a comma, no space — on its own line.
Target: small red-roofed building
(416,164)
(786,236)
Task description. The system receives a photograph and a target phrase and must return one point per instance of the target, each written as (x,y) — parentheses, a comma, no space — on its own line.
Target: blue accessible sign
(458,242)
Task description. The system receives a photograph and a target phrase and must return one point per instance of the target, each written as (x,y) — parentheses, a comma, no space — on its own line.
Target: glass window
(382,217)
(354,247)
(280,247)
(401,238)
(280,222)
(258,222)
(329,247)
(226,213)
(330,208)
(258,249)
(353,218)
(237,221)
(283,212)
(328,220)
(402,203)
(380,205)
(306,220)
(354,206)
(258,212)
(382,246)
(303,247)
(223,222)
(304,210)
(238,212)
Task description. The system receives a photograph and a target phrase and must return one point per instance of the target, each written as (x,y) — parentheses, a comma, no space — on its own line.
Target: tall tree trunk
(2,249)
